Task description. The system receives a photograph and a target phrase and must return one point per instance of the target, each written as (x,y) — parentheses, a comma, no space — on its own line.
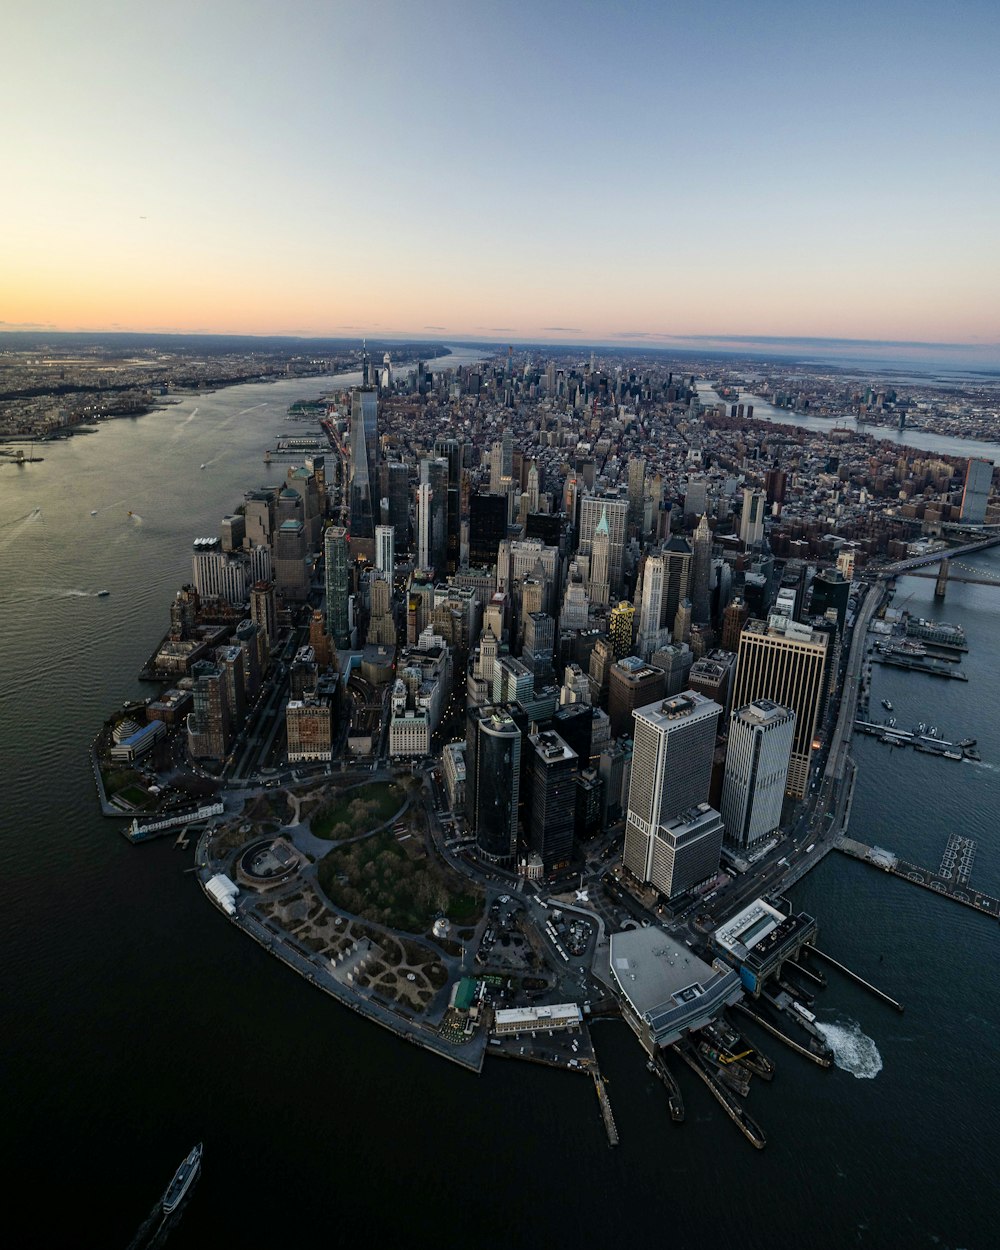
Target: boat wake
(13,529)
(853,1051)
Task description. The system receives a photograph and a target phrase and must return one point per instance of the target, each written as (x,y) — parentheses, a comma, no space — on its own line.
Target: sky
(580,171)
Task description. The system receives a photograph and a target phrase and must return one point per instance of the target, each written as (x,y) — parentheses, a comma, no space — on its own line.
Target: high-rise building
(309,729)
(263,611)
(397,496)
(337,586)
(683,851)
(784,661)
(676,659)
(752,518)
(450,449)
(492,781)
(757,756)
(733,620)
(621,622)
(615,511)
(632,683)
(712,676)
(209,724)
(385,551)
(831,590)
(487,528)
(364,470)
(425,522)
(674,745)
(600,562)
(434,474)
(636,489)
(291,573)
(651,633)
(550,798)
(677,574)
(976,492)
(701,595)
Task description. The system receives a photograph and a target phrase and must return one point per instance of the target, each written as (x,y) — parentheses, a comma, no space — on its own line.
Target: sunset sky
(582,171)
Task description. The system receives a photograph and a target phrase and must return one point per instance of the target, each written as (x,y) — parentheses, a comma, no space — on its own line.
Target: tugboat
(887,705)
(181,1183)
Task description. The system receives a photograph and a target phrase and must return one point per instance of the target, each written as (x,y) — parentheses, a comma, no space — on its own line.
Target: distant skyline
(666,174)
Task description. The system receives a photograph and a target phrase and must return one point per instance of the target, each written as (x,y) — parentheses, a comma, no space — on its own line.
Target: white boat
(201,466)
(181,1183)
(93,512)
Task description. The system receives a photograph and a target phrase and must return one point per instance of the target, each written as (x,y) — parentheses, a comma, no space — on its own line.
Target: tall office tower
(502,463)
(592,509)
(650,637)
(600,562)
(492,781)
(684,850)
(631,684)
(682,622)
(676,659)
(435,474)
(845,563)
(539,644)
(305,485)
(677,574)
(733,620)
(752,518)
(784,661)
(695,498)
(599,672)
(831,590)
(978,480)
(636,490)
(232,531)
(397,493)
(674,745)
(487,528)
(208,724)
(309,729)
(757,755)
(385,550)
(425,522)
(249,637)
(513,681)
(260,565)
(291,573)
(701,596)
(533,491)
(337,613)
(230,660)
(550,799)
(263,611)
(712,676)
(319,639)
(364,470)
(575,605)
(621,623)
(259,516)
(450,449)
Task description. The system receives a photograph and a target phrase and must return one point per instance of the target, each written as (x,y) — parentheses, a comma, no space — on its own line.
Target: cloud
(26,325)
(435,327)
(563,329)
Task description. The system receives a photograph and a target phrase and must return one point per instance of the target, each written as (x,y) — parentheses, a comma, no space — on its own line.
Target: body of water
(941,444)
(138,1021)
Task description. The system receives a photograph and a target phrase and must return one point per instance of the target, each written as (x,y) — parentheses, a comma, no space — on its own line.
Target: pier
(928,744)
(948,887)
(606,1112)
(854,977)
(728,1101)
(658,1066)
(917,664)
(824,1061)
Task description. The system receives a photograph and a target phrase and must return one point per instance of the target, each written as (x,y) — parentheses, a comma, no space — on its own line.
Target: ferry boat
(887,705)
(181,1183)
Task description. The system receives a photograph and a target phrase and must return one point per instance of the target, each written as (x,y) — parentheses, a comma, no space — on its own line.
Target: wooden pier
(606,1113)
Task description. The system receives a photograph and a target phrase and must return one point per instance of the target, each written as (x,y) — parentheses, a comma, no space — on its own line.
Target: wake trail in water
(14,529)
(187,421)
(853,1051)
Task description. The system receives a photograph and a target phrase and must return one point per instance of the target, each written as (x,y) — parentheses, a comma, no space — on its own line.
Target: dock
(606,1113)
(727,1100)
(824,1061)
(926,743)
(948,887)
(917,664)
(814,950)
(658,1066)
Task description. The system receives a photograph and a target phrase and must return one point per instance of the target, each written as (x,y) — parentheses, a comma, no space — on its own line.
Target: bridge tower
(941,585)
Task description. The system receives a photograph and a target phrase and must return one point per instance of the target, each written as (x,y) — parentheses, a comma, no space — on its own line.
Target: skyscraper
(492,781)
(650,636)
(600,562)
(636,489)
(752,518)
(621,622)
(385,550)
(337,618)
(631,684)
(594,508)
(671,770)
(487,528)
(757,756)
(783,661)
(978,480)
(397,495)
(550,801)
(701,602)
(364,470)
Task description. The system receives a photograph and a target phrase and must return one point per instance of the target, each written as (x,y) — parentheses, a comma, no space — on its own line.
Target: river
(139,1021)
(924,440)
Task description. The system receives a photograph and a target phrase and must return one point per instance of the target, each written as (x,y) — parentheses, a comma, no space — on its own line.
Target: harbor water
(139,1021)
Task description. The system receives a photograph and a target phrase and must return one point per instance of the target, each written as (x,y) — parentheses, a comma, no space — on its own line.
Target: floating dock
(947,887)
